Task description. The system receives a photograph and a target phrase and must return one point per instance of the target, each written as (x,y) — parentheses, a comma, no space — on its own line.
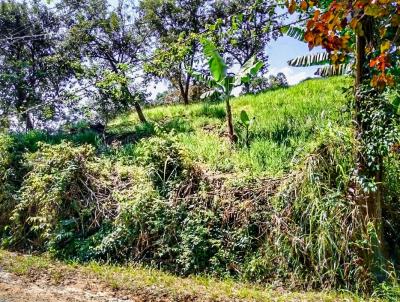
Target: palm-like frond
(209,94)
(202,78)
(311,59)
(321,58)
(295,32)
(334,70)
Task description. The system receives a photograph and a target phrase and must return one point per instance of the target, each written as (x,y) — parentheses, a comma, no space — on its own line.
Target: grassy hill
(286,124)
(175,195)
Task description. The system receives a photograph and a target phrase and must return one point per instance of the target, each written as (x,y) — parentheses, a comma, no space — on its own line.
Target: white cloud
(293,74)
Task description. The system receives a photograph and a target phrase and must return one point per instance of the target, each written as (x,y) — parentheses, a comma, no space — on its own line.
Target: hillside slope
(173,194)
(286,122)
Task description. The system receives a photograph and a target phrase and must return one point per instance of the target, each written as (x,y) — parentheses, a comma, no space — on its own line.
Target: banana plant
(246,123)
(322,59)
(221,83)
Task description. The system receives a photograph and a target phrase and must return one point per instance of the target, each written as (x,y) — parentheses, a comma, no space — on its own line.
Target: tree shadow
(31,140)
(176,124)
(283,133)
(126,133)
(211,111)
(133,133)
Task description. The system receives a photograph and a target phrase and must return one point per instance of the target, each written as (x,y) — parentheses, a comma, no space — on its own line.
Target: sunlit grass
(286,122)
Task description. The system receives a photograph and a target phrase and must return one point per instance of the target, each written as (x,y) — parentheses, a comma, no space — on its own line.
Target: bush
(65,189)
(262,84)
(7,180)
(163,158)
(149,204)
(391,206)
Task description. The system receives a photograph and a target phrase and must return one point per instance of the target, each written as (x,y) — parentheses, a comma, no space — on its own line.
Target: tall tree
(246,27)
(171,21)
(376,28)
(109,43)
(33,70)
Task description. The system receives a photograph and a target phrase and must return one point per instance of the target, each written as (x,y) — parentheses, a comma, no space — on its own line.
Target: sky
(284,49)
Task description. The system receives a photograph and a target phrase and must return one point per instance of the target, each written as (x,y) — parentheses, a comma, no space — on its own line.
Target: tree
(278,81)
(244,28)
(376,28)
(261,84)
(222,83)
(172,24)
(160,97)
(322,59)
(33,68)
(109,44)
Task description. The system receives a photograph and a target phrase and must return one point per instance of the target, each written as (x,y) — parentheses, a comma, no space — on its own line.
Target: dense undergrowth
(167,195)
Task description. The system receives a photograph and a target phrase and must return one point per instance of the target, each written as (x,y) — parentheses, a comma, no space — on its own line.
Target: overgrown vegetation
(286,122)
(156,202)
(299,189)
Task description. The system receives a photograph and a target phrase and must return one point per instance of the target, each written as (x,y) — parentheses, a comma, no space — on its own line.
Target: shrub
(149,204)
(391,205)
(165,161)
(63,189)
(262,84)
(7,180)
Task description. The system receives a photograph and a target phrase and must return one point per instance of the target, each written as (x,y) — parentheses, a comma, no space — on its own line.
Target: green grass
(287,121)
(157,284)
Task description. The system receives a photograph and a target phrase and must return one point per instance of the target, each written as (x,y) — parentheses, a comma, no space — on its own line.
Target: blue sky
(284,49)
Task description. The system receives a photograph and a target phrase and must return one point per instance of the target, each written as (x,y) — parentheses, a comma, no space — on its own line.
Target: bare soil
(15,288)
(25,279)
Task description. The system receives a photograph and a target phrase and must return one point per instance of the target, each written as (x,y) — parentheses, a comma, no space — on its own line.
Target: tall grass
(286,121)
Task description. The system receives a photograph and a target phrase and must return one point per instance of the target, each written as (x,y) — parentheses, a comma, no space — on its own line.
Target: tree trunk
(185,97)
(229,120)
(184,92)
(361,43)
(139,111)
(28,122)
(187,88)
(136,104)
(373,201)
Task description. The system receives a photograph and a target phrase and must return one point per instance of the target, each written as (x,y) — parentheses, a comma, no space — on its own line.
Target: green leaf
(205,79)
(332,70)
(227,85)
(114,21)
(216,63)
(372,10)
(294,32)
(208,94)
(310,60)
(244,118)
(396,104)
(248,70)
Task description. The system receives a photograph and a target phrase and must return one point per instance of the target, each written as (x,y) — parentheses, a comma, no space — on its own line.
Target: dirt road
(16,289)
